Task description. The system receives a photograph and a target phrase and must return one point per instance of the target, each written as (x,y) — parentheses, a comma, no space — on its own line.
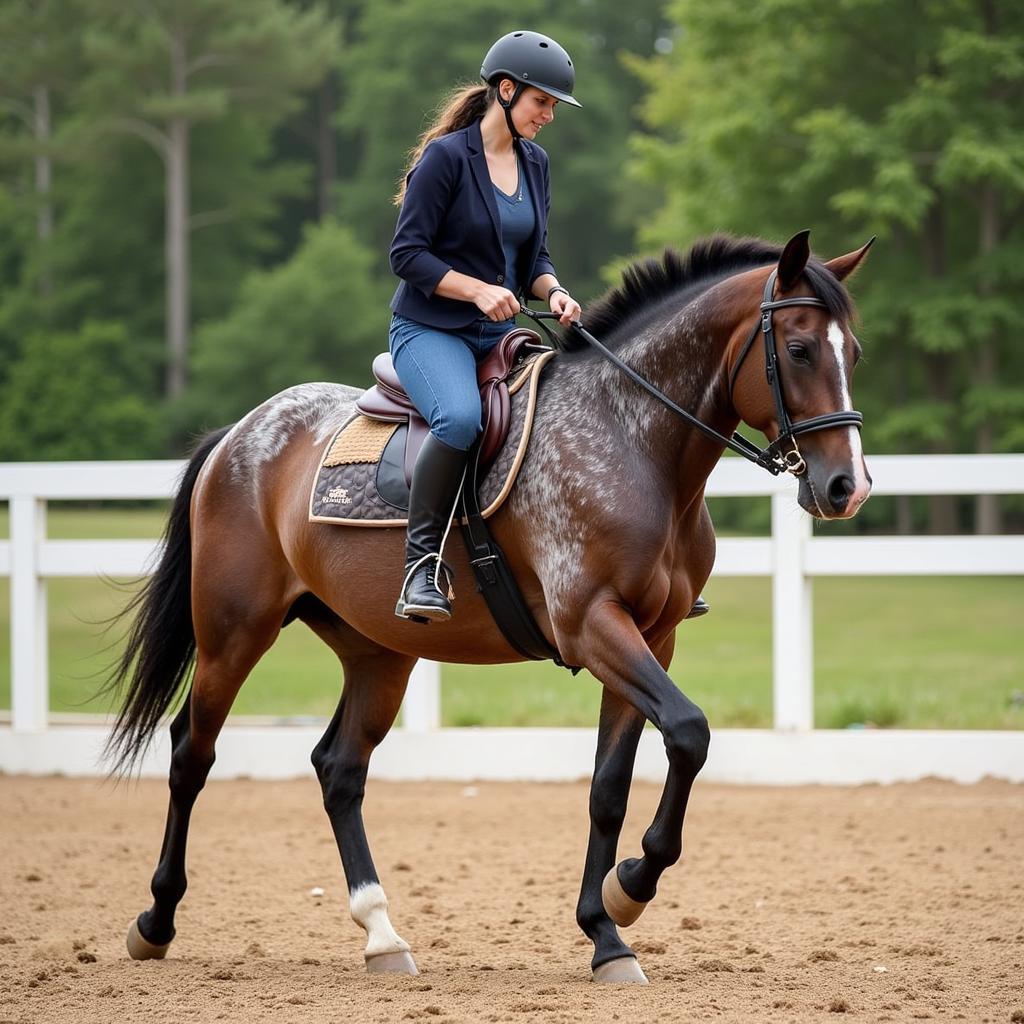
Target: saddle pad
(363,441)
(345,485)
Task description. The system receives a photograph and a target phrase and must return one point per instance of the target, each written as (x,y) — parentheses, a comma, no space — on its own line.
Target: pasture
(927,652)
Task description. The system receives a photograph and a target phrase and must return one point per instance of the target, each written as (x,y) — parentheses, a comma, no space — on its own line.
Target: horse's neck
(684,357)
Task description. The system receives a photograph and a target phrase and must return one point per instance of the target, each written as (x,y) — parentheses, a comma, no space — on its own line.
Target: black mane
(648,285)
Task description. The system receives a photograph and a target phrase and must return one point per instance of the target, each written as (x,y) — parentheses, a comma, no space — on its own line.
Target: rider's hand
(495,302)
(567,308)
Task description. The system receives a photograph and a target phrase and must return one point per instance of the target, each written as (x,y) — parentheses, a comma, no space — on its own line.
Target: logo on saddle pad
(337,496)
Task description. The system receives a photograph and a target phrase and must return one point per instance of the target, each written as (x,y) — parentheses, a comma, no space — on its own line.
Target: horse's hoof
(140,949)
(624,971)
(391,963)
(617,905)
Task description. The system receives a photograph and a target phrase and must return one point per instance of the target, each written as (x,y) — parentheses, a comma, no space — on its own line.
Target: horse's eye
(799,352)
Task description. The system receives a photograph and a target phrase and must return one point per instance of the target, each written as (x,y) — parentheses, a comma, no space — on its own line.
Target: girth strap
(495,581)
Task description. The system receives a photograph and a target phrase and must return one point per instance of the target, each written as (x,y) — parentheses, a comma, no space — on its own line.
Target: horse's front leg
(617,654)
(618,733)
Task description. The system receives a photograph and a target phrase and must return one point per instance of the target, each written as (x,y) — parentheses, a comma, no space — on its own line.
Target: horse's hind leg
(375,682)
(225,657)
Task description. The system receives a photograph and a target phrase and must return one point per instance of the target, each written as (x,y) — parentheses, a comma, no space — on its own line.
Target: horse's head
(815,355)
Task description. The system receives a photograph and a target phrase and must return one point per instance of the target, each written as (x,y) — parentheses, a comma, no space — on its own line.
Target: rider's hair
(459,109)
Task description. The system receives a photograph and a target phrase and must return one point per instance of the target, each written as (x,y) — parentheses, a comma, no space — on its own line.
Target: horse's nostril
(840,487)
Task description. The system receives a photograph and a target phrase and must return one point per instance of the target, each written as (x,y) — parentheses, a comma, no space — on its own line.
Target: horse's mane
(649,283)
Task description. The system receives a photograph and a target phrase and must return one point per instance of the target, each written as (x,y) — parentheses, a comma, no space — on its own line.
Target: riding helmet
(530,58)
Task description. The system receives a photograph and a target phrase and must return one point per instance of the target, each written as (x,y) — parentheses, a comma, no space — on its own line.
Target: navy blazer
(449,221)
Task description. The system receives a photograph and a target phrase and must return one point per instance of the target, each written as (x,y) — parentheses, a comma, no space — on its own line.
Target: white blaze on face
(862,488)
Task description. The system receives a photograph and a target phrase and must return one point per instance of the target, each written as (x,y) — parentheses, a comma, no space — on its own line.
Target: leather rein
(772,458)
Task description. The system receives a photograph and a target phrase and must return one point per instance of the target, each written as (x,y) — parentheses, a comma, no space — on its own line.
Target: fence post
(792,624)
(29,675)
(421,709)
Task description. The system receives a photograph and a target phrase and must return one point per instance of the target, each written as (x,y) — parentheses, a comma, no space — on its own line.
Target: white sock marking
(369,909)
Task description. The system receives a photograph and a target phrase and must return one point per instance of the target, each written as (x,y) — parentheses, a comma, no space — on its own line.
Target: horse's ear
(793,260)
(844,266)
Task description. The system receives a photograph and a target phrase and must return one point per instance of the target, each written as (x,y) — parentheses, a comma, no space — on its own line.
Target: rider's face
(532,111)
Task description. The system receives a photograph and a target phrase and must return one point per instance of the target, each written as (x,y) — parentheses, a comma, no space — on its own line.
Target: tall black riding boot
(436,479)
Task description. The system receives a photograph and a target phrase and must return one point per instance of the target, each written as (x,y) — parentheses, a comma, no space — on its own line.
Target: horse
(606,529)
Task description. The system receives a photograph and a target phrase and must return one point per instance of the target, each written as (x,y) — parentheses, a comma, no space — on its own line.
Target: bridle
(771,458)
(790,461)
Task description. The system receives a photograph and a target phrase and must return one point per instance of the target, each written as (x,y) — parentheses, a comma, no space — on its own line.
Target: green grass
(935,652)
(71,521)
(898,652)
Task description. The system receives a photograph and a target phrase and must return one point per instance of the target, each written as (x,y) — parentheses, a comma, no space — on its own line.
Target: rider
(471,239)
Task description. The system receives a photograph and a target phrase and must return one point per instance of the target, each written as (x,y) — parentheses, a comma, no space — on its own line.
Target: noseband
(771,458)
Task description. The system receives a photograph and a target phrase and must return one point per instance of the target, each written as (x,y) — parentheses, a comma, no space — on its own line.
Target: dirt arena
(881,903)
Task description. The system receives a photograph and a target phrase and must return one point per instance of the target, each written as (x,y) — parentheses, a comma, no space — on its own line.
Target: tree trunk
(44,181)
(942,512)
(987,511)
(327,156)
(900,396)
(177,207)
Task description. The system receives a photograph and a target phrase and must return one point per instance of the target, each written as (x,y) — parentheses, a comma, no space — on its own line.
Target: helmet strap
(507,105)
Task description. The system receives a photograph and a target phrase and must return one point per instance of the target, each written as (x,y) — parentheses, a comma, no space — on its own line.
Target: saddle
(387,400)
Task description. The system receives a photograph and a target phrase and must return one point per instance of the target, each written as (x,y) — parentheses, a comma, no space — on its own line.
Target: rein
(771,458)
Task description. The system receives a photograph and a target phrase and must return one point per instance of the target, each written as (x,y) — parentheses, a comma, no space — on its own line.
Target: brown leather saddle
(387,399)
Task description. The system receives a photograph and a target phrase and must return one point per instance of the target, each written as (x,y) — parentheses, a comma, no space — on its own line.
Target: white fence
(792,752)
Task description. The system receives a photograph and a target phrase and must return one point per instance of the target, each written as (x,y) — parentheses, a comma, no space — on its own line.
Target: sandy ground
(881,903)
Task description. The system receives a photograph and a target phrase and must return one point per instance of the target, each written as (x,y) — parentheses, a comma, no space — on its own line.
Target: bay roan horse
(606,530)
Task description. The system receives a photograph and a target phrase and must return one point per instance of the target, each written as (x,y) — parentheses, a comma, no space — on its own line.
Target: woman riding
(471,240)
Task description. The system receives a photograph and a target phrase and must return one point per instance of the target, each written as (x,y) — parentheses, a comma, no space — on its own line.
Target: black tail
(162,642)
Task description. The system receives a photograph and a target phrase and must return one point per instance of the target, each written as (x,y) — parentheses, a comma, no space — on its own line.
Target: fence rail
(792,557)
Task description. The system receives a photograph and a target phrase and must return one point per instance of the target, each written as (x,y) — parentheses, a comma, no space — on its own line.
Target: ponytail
(457,110)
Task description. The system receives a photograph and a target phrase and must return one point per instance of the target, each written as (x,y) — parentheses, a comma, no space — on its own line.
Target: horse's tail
(161,643)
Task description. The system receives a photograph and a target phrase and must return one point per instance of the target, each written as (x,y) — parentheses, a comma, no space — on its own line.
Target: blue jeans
(437,368)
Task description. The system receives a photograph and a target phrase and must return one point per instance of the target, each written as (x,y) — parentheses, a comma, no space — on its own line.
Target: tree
(161,67)
(403,57)
(79,395)
(906,123)
(39,56)
(320,316)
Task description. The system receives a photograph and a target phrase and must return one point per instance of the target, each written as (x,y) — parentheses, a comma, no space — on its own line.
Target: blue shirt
(518,221)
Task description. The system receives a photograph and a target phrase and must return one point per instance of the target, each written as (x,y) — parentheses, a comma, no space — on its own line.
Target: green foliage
(256,57)
(405,56)
(897,119)
(79,396)
(320,316)
(160,69)
(855,118)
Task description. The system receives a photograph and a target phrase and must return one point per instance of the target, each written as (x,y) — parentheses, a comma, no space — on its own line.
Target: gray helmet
(531,59)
